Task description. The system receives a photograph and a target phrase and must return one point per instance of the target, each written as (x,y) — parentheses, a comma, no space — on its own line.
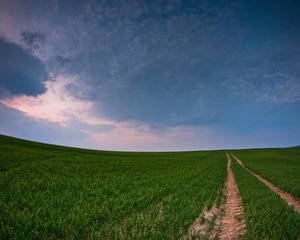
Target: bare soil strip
(232,224)
(291,201)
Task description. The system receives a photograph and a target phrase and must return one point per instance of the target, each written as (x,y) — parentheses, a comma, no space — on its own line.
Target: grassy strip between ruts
(267,215)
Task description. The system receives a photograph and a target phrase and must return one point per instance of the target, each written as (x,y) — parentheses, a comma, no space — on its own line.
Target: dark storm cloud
(20,72)
(152,62)
(173,63)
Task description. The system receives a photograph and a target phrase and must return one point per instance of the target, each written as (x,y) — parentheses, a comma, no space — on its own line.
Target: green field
(266,215)
(280,166)
(53,192)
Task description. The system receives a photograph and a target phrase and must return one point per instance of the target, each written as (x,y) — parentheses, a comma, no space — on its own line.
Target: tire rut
(225,222)
(232,224)
(287,197)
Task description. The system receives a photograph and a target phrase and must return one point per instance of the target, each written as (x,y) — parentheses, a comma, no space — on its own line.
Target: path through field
(227,219)
(293,202)
(232,224)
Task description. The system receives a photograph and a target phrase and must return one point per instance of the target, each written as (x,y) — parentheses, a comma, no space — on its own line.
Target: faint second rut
(232,224)
(291,201)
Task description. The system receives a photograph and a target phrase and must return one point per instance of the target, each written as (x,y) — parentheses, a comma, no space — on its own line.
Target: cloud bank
(153,75)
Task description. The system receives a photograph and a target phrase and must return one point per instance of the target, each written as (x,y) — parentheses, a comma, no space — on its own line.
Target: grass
(55,192)
(266,215)
(280,166)
(51,192)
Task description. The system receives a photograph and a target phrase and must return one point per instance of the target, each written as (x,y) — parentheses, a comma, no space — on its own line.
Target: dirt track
(232,223)
(227,219)
(291,201)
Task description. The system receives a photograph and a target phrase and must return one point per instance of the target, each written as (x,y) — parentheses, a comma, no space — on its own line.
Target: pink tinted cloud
(142,138)
(186,138)
(8,21)
(126,137)
(55,105)
(59,106)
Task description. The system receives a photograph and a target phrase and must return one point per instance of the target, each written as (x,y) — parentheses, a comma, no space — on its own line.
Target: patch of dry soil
(201,225)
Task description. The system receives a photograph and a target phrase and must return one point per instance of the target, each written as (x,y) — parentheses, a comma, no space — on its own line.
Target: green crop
(280,166)
(51,192)
(55,192)
(267,215)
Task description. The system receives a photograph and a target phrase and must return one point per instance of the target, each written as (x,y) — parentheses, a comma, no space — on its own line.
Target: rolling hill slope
(55,192)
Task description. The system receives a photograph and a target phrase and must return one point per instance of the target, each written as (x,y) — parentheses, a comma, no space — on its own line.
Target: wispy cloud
(272,79)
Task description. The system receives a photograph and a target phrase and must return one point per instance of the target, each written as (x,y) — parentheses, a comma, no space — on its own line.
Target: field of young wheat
(54,192)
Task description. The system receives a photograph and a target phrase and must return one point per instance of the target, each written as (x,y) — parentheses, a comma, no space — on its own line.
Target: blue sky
(151,75)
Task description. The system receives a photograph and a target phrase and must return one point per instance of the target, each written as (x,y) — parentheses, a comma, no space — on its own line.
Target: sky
(140,75)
